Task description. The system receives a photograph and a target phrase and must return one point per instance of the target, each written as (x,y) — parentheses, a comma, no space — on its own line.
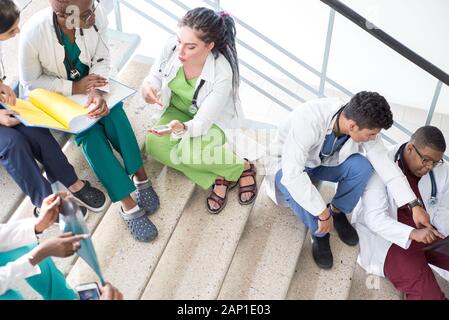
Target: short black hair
(369,110)
(9,13)
(429,136)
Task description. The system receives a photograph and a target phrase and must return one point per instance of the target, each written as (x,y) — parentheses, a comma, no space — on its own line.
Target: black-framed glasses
(426,161)
(87,15)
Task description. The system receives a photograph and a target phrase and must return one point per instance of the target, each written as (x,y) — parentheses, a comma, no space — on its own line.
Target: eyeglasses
(85,16)
(426,161)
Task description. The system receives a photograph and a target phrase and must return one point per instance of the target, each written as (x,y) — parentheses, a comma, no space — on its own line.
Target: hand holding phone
(160,130)
(88,291)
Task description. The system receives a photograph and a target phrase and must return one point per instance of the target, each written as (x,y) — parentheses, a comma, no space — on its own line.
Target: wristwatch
(414,203)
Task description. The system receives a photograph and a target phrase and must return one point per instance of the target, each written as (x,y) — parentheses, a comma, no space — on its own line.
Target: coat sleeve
(154,78)
(391,175)
(31,73)
(14,271)
(12,236)
(295,151)
(440,218)
(17,234)
(375,214)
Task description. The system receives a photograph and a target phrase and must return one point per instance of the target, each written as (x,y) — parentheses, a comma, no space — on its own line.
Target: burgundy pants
(410,273)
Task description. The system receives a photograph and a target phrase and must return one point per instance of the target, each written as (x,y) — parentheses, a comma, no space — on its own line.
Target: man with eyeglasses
(391,243)
(337,141)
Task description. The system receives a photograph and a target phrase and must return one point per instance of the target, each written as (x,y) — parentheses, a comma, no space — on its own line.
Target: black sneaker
(83,211)
(321,252)
(345,230)
(91,198)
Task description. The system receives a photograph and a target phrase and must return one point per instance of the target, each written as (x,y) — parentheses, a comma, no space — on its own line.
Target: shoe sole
(101,209)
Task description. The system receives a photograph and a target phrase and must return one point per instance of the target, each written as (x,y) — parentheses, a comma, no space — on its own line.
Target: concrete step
(265,259)
(126,263)
(312,283)
(11,196)
(371,287)
(198,256)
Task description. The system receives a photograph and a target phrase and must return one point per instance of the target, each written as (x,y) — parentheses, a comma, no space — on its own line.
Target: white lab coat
(376,217)
(41,57)
(215,99)
(13,236)
(298,145)
(2,72)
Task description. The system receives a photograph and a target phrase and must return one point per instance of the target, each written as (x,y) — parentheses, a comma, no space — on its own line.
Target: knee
(360,166)
(13,142)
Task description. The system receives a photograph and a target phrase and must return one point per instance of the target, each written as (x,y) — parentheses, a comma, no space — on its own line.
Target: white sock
(133,210)
(139,182)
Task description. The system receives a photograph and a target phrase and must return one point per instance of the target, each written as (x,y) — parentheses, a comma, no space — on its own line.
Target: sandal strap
(134,216)
(222,182)
(215,197)
(251,188)
(251,172)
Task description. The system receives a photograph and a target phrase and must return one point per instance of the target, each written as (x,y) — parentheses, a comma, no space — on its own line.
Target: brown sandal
(251,172)
(215,197)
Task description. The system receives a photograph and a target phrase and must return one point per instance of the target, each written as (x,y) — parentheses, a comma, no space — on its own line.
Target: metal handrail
(336,6)
(391,42)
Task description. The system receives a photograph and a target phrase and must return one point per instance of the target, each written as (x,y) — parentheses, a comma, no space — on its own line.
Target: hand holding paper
(96,105)
(6,118)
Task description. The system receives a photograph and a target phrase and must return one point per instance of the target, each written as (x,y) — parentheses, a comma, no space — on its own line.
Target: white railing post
(118,15)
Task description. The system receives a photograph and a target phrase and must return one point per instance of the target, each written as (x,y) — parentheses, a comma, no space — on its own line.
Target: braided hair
(217,27)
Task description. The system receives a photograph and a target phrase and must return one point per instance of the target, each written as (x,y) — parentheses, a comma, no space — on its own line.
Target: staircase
(251,252)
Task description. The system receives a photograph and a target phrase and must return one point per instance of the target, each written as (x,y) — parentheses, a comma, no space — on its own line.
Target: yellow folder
(46,109)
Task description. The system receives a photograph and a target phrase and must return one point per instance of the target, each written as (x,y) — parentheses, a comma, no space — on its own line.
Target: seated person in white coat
(22,258)
(328,140)
(391,242)
(64,48)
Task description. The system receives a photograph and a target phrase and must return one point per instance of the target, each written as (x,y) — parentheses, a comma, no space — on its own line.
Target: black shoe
(321,252)
(345,230)
(91,198)
(36,213)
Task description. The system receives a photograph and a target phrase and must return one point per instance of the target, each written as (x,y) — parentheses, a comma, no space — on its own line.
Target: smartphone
(88,291)
(160,129)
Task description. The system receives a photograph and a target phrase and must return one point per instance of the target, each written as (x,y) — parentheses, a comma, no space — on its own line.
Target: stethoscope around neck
(433,201)
(193,109)
(2,70)
(74,73)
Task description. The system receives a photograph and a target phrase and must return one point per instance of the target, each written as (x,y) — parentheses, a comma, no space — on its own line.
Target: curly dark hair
(9,13)
(369,110)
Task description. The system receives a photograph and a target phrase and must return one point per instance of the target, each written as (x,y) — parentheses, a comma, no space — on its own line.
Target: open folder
(46,109)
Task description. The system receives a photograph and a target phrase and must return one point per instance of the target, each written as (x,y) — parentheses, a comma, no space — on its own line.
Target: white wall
(357,60)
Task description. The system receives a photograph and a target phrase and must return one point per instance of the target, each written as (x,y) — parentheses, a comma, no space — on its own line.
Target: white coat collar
(208,73)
